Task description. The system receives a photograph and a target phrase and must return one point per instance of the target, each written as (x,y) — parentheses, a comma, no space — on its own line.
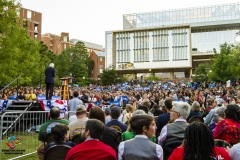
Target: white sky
(89,19)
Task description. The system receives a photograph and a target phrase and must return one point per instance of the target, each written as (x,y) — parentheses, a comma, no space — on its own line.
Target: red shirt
(228,130)
(91,150)
(221,154)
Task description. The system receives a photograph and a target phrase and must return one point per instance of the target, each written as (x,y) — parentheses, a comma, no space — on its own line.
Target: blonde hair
(129,108)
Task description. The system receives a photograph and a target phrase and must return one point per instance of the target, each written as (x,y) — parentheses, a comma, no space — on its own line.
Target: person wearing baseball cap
(78,125)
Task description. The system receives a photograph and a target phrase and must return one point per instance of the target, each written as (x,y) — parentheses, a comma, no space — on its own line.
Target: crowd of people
(180,120)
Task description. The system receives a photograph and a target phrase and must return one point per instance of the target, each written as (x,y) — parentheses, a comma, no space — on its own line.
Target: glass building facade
(197,16)
(156,39)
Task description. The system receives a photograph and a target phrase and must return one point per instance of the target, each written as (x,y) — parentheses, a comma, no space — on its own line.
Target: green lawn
(29,143)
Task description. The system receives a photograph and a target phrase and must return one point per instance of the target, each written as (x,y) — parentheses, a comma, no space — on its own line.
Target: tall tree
(200,73)
(74,61)
(223,65)
(19,53)
(109,76)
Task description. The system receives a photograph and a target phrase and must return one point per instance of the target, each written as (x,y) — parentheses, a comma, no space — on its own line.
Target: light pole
(150,78)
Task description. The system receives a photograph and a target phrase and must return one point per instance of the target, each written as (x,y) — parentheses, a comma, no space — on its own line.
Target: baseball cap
(80,108)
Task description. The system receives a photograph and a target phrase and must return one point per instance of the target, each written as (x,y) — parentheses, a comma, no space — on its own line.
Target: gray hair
(195,106)
(138,112)
(183,108)
(221,112)
(51,65)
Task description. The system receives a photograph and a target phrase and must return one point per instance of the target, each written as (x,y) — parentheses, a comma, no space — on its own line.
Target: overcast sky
(89,19)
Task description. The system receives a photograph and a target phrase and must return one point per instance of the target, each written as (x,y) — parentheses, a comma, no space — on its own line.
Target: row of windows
(161,54)
(141,40)
(183,16)
(123,56)
(141,55)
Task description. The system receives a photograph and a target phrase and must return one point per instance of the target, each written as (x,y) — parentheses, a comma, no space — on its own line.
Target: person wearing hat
(78,125)
(208,119)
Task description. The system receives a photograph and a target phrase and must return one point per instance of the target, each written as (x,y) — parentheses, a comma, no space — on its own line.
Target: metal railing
(22,139)
(16,120)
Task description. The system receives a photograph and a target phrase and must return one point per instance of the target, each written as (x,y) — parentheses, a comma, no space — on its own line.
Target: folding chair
(48,139)
(57,152)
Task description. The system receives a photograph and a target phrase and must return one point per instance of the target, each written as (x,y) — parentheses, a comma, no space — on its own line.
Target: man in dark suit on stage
(49,80)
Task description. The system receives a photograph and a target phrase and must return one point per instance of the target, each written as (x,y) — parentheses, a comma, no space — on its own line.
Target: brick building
(31,20)
(56,43)
(99,63)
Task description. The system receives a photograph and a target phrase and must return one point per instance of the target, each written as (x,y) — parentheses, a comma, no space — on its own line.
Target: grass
(29,143)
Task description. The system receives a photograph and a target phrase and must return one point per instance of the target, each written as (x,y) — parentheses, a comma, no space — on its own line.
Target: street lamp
(150,78)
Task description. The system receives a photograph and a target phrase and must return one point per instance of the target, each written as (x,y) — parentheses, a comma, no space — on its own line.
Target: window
(100,71)
(25,23)
(65,46)
(160,48)
(101,66)
(180,44)
(29,14)
(122,47)
(100,58)
(141,46)
(65,38)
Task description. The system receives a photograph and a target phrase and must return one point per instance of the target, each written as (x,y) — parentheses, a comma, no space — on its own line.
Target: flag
(4,104)
(47,105)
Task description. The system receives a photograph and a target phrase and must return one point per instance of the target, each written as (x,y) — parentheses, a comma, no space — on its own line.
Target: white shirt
(72,118)
(159,150)
(107,119)
(235,152)
(163,134)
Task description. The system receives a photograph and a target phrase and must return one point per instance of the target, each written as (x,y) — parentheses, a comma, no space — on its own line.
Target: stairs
(17,121)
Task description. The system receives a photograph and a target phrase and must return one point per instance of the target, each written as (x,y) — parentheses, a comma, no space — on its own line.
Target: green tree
(109,76)
(19,53)
(200,73)
(74,61)
(46,57)
(224,65)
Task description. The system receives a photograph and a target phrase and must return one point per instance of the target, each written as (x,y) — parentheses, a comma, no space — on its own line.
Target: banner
(4,104)
(47,105)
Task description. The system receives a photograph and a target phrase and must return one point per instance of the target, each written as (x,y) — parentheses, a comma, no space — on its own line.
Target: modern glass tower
(172,40)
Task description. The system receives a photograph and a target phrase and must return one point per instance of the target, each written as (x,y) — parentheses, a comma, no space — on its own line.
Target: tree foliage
(225,65)
(109,76)
(200,74)
(19,53)
(74,61)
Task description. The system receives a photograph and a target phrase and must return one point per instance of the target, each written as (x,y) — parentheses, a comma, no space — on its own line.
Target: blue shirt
(68,143)
(117,125)
(194,113)
(162,120)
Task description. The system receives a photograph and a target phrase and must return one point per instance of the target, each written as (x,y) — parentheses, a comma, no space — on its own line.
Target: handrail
(16,120)
(10,83)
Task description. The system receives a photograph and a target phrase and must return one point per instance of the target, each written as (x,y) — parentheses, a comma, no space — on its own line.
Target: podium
(64,89)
